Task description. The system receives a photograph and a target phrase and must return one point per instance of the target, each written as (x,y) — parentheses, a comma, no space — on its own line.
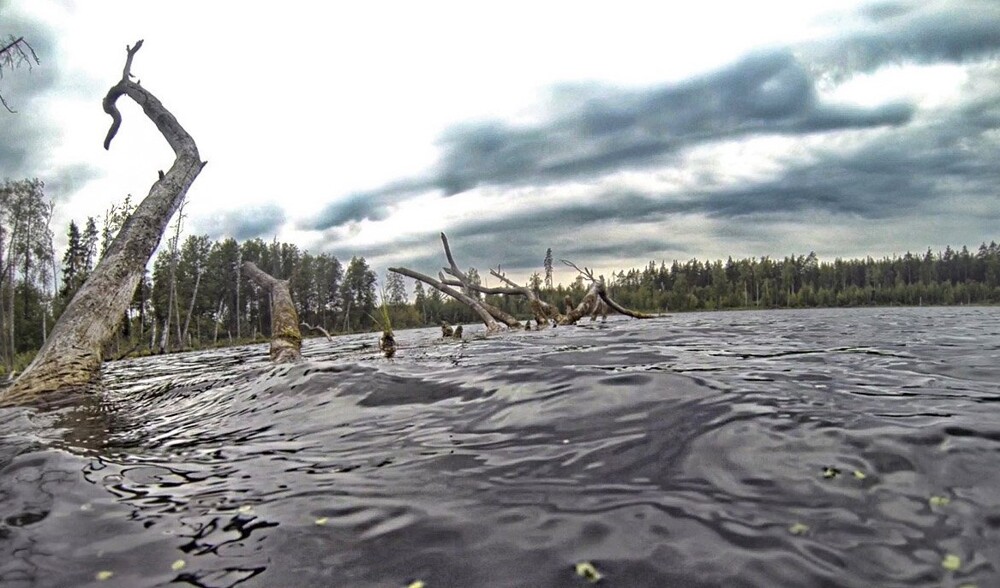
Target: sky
(615,136)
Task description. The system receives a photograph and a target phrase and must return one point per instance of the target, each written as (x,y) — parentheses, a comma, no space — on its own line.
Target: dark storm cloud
(244,223)
(895,175)
(609,129)
(373,205)
(614,129)
(904,171)
(925,32)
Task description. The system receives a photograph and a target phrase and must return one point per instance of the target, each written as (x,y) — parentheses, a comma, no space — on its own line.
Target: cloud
(941,166)
(372,205)
(245,223)
(66,180)
(593,130)
(616,129)
(925,32)
(609,129)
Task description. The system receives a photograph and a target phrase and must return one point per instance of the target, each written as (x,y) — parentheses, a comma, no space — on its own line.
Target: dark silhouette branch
(12,55)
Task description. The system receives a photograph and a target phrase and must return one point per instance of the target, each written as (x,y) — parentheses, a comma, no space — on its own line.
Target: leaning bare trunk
(286,339)
(72,355)
(194,295)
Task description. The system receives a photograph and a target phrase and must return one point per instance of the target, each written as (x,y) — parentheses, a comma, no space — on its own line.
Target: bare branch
(585,271)
(13,55)
(487,318)
(117,90)
(317,328)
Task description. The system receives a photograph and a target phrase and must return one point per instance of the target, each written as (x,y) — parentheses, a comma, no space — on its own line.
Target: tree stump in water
(286,339)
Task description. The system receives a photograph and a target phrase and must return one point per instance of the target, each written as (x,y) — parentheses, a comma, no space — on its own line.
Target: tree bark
(71,358)
(286,339)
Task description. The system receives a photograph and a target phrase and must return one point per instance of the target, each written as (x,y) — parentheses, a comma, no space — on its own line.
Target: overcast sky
(614,134)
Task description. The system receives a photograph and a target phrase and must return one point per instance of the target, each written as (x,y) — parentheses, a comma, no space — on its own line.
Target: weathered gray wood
(71,357)
(286,339)
(488,320)
(468,286)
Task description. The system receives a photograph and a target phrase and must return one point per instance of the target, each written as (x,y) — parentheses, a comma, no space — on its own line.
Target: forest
(194,295)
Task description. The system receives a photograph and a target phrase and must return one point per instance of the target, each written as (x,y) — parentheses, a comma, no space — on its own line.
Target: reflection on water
(783,448)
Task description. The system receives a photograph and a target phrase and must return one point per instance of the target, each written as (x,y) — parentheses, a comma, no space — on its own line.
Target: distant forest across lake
(197,294)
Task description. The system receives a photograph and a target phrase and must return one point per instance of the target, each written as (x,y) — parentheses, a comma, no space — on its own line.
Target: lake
(777,448)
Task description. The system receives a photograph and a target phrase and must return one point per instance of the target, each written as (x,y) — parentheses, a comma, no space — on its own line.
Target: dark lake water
(780,448)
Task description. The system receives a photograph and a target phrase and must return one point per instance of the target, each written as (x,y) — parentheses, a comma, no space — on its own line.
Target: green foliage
(801,281)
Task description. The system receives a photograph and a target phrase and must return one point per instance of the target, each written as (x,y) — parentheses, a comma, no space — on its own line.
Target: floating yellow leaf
(951,562)
(322,520)
(798,529)
(968,586)
(178,565)
(104,575)
(246,509)
(587,571)
(416,584)
(829,472)
(859,475)
(939,500)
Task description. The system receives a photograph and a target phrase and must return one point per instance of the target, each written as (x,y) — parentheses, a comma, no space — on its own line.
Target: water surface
(780,448)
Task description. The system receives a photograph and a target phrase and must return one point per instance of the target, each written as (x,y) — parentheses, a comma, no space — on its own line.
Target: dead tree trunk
(488,320)
(286,339)
(468,286)
(72,356)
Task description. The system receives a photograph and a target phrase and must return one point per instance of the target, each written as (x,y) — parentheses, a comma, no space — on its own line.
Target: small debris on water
(416,584)
(859,475)
(246,509)
(104,575)
(830,472)
(951,562)
(322,521)
(939,500)
(798,529)
(588,572)
(178,565)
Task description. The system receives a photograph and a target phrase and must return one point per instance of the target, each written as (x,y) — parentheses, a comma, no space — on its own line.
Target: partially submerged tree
(595,301)
(72,355)
(286,339)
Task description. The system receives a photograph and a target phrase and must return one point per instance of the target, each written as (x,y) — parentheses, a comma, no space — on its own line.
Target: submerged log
(71,356)
(286,339)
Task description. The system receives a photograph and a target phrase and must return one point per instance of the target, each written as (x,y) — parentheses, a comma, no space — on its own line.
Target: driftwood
(595,301)
(286,339)
(71,356)
(317,328)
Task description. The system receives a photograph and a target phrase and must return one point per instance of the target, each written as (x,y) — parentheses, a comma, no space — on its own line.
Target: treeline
(196,294)
(949,277)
